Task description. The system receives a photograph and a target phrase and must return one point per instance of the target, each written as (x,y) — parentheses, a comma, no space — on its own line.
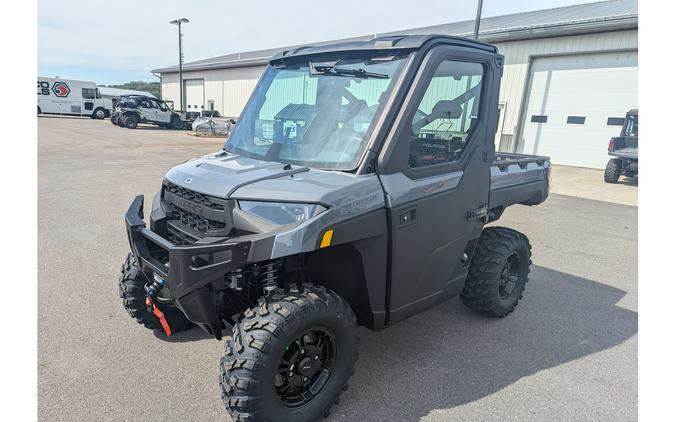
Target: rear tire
(498,272)
(132,291)
(131,121)
(613,170)
(176,123)
(289,357)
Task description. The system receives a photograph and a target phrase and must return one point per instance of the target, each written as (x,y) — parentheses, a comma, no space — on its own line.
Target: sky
(116,42)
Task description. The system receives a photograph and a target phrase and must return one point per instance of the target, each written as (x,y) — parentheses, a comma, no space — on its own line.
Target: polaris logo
(188,180)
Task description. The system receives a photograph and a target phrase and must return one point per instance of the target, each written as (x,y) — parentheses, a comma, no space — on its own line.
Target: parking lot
(568,352)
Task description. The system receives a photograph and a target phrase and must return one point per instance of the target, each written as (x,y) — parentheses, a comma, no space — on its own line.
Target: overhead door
(573,103)
(194,94)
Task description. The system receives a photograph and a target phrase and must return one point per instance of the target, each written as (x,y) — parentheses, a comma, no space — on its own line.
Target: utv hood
(238,177)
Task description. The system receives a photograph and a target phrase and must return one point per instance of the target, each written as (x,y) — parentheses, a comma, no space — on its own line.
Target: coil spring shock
(268,276)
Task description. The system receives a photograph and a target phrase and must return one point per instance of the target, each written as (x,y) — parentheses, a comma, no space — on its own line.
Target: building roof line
(613,15)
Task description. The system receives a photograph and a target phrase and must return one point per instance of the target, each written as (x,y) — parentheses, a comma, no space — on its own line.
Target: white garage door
(573,105)
(194,94)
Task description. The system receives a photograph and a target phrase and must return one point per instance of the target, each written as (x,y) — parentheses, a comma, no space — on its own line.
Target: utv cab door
(435,170)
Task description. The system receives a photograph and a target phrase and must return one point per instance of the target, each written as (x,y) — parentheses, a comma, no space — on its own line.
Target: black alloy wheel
(511,273)
(305,367)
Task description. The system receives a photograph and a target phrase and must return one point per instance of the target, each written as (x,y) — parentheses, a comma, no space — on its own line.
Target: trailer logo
(60,89)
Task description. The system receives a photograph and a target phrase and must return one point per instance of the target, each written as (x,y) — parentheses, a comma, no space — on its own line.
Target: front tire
(99,114)
(289,357)
(613,170)
(132,292)
(498,272)
(114,118)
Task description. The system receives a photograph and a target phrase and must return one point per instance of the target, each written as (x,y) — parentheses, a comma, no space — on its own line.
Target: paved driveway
(568,352)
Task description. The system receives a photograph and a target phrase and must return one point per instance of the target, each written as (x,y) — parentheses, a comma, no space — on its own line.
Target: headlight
(281,212)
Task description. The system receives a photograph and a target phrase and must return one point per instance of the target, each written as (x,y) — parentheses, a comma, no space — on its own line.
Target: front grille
(199,198)
(193,215)
(194,221)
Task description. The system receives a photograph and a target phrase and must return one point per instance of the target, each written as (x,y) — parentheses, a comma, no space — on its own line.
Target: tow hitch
(151,290)
(159,314)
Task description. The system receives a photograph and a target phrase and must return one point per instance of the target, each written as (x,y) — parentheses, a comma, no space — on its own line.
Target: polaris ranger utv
(624,149)
(354,190)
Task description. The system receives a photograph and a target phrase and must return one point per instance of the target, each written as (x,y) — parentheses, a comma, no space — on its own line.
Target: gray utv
(354,190)
(624,150)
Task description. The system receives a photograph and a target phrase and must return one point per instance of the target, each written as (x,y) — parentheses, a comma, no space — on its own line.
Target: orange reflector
(327,238)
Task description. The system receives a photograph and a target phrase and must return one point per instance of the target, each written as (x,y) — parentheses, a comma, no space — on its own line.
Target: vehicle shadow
(449,356)
(193,334)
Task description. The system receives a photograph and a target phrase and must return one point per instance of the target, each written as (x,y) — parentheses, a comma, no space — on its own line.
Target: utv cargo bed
(518,179)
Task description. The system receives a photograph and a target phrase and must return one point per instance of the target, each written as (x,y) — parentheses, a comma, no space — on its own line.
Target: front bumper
(187,270)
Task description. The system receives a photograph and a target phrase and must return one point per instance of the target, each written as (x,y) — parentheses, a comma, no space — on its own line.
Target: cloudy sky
(119,41)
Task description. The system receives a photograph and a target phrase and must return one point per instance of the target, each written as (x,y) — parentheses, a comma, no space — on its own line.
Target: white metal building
(570,76)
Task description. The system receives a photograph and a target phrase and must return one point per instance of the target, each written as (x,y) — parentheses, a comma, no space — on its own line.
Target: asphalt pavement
(568,352)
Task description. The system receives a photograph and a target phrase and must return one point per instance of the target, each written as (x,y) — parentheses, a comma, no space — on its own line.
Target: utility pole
(476,28)
(179,22)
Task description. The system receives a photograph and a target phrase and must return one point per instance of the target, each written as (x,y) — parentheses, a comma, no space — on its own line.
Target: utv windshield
(315,114)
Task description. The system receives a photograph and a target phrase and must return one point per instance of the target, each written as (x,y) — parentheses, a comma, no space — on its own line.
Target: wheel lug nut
(316,357)
(305,379)
(290,374)
(302,351)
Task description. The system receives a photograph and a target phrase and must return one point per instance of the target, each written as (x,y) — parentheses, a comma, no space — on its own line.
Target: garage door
(194,94)
(576,104)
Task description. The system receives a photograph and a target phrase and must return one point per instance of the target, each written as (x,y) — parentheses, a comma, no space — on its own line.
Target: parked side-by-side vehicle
(354,189)
(131,110)
(624,150)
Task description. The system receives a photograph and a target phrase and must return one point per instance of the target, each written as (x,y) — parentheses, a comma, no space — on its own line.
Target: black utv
(624,150)
(354,190)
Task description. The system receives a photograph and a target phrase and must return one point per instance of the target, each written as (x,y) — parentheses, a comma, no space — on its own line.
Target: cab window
(446,115)
(88,93)
(631,126)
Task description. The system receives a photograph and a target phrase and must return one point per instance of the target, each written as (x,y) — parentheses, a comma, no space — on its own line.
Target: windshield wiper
(331,69)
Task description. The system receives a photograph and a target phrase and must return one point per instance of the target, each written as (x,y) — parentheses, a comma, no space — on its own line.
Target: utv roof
(389,43)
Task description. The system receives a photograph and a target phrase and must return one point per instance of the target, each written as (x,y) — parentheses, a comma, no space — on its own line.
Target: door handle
(476,213)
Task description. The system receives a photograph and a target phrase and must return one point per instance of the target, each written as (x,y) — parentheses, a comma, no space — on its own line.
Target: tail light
(610,147)
(550,172)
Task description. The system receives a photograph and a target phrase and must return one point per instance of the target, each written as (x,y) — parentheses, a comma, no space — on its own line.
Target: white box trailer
(70,97)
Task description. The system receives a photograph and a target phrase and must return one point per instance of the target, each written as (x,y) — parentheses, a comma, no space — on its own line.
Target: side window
(163,106)
(447,114)
(88,93)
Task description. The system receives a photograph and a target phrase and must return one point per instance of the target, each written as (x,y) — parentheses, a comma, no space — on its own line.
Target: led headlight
(281,212)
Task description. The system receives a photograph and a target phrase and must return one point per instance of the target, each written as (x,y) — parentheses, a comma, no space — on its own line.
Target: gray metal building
(570,75)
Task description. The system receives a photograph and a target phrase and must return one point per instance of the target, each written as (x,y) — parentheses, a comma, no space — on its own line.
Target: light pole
(477,25)
(179,22)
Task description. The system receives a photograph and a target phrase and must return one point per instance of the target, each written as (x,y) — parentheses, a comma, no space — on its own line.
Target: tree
(151,87)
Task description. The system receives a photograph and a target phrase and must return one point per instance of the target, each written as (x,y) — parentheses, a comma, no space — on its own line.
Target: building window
(576,120)
(536,118)
(615,121)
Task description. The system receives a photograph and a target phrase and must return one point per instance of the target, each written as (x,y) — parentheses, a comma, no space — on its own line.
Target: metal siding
(230,88)
(518,54)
